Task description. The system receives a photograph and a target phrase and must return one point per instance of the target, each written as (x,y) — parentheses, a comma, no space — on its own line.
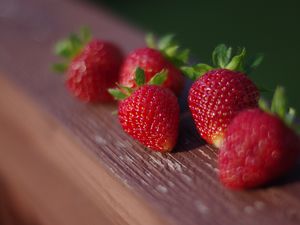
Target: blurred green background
(270,27)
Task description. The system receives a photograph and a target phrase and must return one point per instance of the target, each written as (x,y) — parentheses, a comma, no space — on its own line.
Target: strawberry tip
(218,141)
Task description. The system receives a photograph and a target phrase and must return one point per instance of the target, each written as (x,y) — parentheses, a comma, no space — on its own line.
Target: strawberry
(259,146)
(149,113)
(92,66)
(153,59)
(218,94)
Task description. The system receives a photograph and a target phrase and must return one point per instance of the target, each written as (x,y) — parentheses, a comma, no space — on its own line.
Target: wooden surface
(47,177)
(177,188)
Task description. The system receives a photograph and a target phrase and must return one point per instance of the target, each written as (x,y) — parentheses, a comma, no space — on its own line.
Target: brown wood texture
(178,188)
(48,178)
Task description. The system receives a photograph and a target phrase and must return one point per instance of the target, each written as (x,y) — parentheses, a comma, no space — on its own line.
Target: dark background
(270,27)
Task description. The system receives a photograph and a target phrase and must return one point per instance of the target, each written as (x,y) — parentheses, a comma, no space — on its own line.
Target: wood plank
(51,178)
(181,187)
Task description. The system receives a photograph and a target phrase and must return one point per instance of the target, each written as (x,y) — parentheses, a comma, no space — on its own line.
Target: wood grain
(49,178)
(180,187)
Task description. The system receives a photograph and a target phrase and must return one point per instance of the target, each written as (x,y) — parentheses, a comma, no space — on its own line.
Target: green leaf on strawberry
(122,92)
(150,40)
(221,55)
(140,77)
(117,93)
(170,48)
(264,105)
(127,90)
(279,104)
(159,78)
(166,42)
(195,71)
(290,116)
(253,62)
(70,47)
(279,107)
(223,58)
(85,34)
(236,63)
(60,67)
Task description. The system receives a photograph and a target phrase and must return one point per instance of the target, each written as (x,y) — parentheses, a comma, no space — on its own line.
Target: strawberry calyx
(123,92)
(170,48)
(70,47)
(279,108)
(222,57)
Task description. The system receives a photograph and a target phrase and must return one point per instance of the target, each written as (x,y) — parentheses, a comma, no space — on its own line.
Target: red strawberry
(258,147)
(153,59)
(219,94)
(150,114)
(94,67)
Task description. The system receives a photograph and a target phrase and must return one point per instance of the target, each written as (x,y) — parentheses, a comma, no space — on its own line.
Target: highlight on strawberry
(91,66)
(260,144)
(164,54)
(148,112)
(221,91)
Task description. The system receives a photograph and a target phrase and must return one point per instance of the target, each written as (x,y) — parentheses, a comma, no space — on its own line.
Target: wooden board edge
(47,171)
